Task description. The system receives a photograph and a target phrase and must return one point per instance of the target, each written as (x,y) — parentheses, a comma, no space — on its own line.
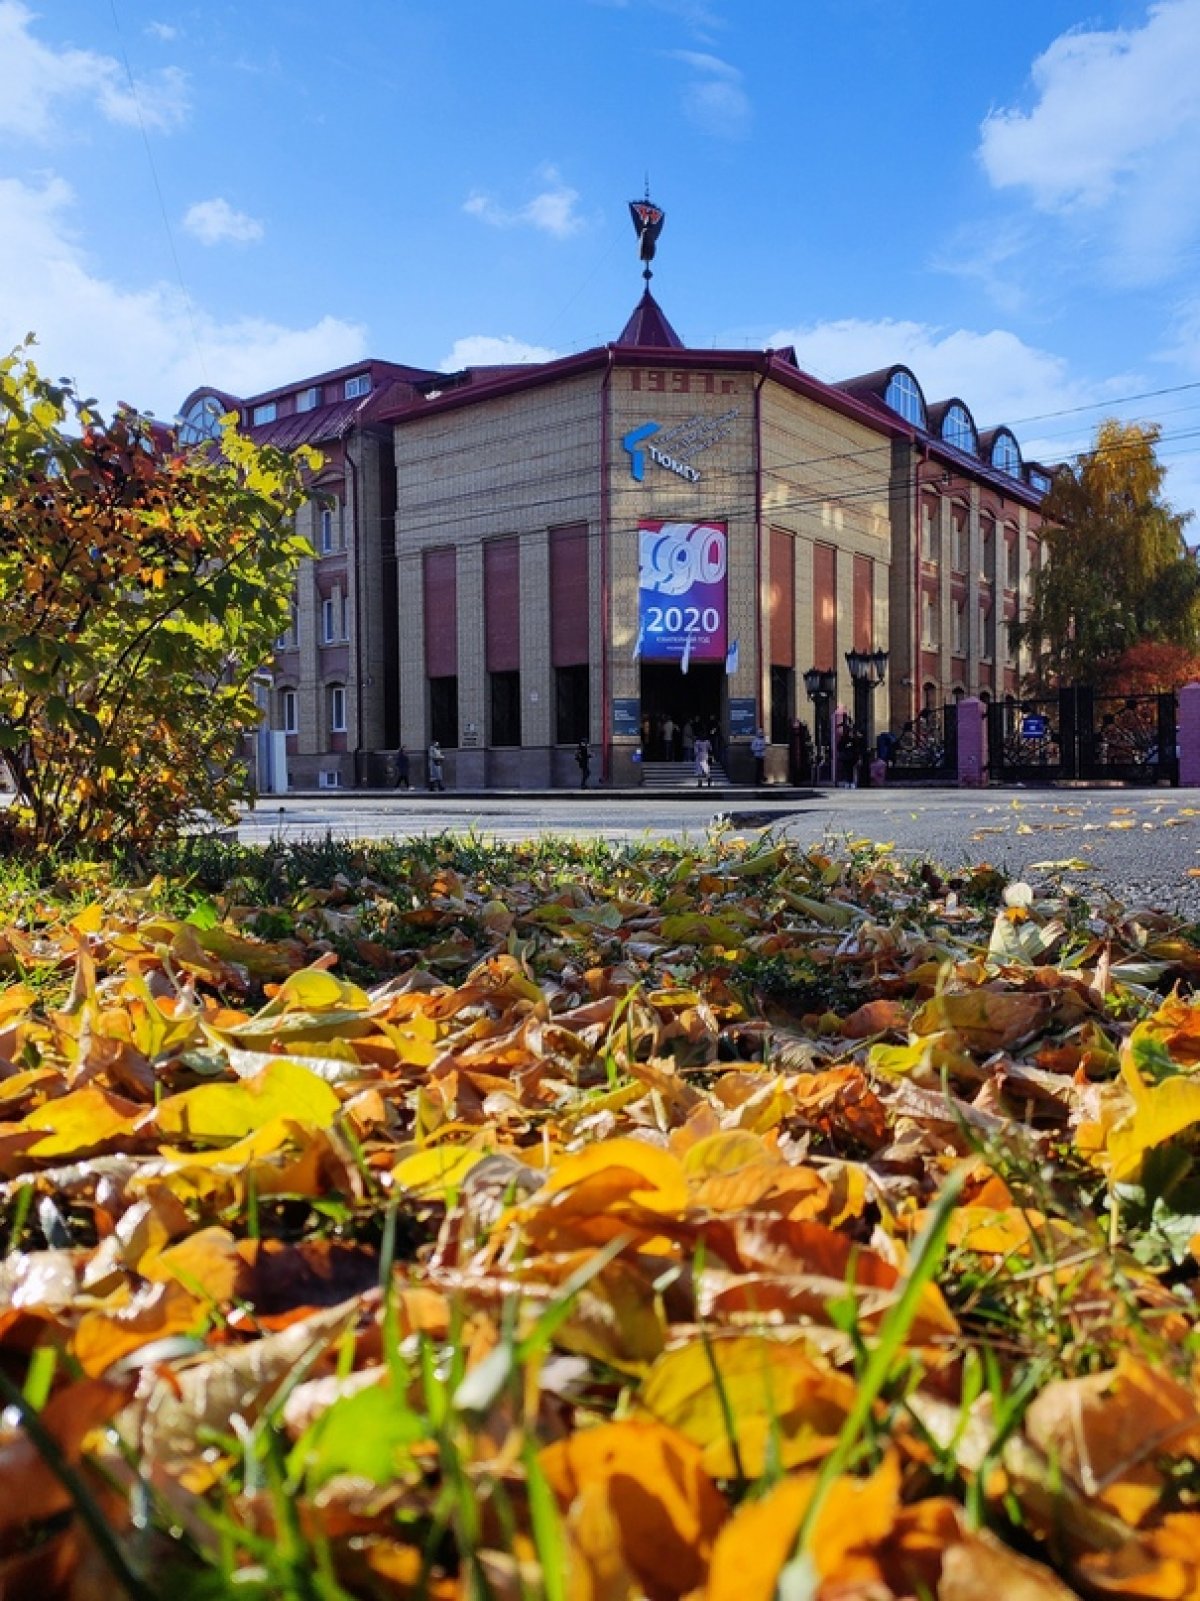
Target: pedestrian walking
(702,756)
(758,749)
(583,760)
(435,760)
(402,768)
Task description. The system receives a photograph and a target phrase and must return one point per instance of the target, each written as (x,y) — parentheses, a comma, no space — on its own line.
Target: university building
(511,559)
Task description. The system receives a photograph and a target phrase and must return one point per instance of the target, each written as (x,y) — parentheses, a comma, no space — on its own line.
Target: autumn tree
(141,586)
(1117,572)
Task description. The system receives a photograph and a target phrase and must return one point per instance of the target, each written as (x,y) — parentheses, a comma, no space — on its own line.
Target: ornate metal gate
(1078,734)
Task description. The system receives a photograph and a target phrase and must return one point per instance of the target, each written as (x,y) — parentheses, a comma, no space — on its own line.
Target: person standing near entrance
(703,762)
(435,760)
(758,749)
(401,768)
(583,760)
(668,738)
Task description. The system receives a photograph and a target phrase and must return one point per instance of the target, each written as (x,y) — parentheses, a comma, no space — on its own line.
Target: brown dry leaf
(780,1396)
(665,1508)
(1109,1432)
(29,1490)
(854,1521)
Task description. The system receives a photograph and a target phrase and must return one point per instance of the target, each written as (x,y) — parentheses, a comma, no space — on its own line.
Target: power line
(166,221)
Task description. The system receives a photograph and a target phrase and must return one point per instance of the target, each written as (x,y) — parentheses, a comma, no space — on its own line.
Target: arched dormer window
(903,395)
(1006,453)
(959,430)
(201,421)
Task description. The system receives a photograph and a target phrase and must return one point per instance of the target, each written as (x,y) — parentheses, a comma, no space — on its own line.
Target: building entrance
(691,702)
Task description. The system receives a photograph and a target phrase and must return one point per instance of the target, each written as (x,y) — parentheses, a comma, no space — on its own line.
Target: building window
(931,544)
(958,430)
(328,626)
(960,628)
(506,708)
(903,395)
(287,640)
(985,619)
(308,399)
(572,704)
(443,710)
(782,703)
(987,546)
(337,709)
(929,695)
(263,413)
(201,421)
(326,530)
(961,526)
(1039,480)
(1005,454)
(929,618)
(1012,552)
(287,711)
(359,385)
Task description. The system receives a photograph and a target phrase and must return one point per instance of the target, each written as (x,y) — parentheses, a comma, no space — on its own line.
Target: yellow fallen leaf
(215,1112)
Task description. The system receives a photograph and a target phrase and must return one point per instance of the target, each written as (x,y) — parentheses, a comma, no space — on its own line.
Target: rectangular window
(782,702)
(287,711)
(987,545)
(929,618)
(506,708)
(443,711)
(572,702)
(1013,558)
(960,628)
(263,413)
(985,630)
(930,533)
(360,385)
(326,530)
(327,622)
(308,399)
(337,709)
(961,527)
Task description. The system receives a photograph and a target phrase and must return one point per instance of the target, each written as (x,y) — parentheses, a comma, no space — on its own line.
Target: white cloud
(1002,380)
(714,99)
(163,31)
(214,222)
(494,350)
(140,345)
(35,80)
(1113,140)
(551,211)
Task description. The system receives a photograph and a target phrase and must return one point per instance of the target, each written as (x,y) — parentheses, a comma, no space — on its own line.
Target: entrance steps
(679,775)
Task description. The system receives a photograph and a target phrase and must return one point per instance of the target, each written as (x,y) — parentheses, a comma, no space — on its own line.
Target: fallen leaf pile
(722,1225)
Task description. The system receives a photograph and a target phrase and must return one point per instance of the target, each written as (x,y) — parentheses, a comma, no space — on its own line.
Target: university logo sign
(674,449)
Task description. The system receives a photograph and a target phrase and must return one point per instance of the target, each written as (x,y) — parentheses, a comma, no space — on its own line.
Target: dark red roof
(648,328)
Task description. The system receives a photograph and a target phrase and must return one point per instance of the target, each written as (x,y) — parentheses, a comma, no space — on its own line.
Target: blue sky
(1005,197)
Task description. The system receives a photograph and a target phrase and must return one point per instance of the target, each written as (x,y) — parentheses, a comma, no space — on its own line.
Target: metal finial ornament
(647,224)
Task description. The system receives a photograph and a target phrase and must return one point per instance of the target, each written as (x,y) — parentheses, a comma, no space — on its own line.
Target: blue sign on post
(626,716)
(1034,726)
(743,716)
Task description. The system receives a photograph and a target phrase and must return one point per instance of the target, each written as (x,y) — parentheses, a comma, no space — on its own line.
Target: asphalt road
(1138,846)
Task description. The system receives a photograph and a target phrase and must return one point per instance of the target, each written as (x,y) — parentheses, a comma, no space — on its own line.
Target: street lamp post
(819,685)
(867,668)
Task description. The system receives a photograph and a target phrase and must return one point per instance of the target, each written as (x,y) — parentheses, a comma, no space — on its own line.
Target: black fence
(927,747)
(1077,734)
